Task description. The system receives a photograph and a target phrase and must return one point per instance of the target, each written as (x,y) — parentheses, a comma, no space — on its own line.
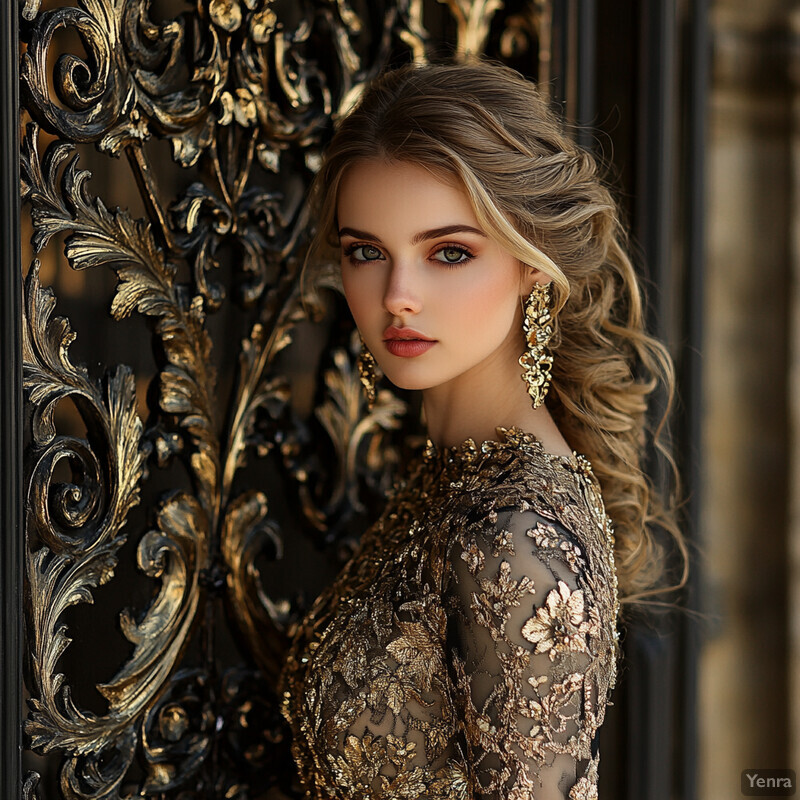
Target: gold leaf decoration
(473,18)
(244,94)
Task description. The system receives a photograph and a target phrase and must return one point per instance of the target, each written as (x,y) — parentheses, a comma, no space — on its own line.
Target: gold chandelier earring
(536,361)
(366,372)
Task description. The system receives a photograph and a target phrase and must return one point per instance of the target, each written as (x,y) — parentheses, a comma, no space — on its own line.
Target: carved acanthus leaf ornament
(245,94)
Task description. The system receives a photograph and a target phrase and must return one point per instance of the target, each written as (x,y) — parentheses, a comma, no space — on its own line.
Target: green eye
(452,255)
(365,252)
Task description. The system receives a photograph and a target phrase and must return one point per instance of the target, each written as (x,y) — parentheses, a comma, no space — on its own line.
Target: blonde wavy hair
(487,129)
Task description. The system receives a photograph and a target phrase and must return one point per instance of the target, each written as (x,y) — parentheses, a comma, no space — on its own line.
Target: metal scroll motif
(472,20)
(244,92)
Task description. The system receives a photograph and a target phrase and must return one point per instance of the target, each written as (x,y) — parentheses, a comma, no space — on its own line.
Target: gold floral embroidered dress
(469,647)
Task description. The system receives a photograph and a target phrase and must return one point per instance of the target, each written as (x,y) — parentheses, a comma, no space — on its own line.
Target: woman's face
(435,299)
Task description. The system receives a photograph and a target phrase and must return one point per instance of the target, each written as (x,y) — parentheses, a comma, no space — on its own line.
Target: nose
(402,295)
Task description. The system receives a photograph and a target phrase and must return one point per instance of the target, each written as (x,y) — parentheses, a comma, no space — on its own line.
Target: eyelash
(465,251)
(351,249)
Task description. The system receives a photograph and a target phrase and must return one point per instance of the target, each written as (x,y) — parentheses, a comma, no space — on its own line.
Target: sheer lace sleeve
(526,642)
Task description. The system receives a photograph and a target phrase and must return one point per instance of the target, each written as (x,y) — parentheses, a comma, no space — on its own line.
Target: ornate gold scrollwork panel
(244,94)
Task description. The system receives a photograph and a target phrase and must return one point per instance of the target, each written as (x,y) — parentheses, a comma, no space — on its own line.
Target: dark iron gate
(179,504)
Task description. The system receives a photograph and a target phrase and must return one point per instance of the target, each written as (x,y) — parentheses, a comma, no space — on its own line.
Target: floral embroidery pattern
(471,640)
(546,535)
(561,624)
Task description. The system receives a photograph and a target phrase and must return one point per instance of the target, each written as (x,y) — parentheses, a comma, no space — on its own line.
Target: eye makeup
(370,252)
(465,255)
(351,249)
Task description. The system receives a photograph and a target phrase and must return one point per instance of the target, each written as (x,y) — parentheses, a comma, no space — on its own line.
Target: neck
(489,396)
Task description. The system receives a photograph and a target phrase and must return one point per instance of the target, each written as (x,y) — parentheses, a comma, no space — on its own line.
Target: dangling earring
(366,371)
(536,361)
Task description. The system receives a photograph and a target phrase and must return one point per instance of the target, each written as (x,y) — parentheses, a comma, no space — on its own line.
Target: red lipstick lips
(406,342)
(393,332)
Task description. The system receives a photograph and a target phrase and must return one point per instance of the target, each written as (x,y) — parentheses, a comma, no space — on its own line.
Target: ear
(531,276)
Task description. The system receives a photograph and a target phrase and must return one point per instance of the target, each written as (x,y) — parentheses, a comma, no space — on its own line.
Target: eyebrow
(433,233)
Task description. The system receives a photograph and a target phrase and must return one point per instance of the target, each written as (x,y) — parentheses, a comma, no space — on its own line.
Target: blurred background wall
(749,699)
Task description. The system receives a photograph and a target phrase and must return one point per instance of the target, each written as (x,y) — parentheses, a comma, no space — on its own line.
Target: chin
(411,386)
(408,382)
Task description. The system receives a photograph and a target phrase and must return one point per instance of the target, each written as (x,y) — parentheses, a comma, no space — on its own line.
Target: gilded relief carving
(245,93)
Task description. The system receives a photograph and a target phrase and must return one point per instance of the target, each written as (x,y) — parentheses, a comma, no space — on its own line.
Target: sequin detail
(469,647)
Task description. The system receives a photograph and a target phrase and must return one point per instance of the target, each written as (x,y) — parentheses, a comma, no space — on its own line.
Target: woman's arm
(531,658)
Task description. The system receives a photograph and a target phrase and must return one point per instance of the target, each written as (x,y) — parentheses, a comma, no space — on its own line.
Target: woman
(469,647)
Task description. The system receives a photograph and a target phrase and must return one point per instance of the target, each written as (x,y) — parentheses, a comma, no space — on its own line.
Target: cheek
(352,290)
(361,294)
(487,307)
